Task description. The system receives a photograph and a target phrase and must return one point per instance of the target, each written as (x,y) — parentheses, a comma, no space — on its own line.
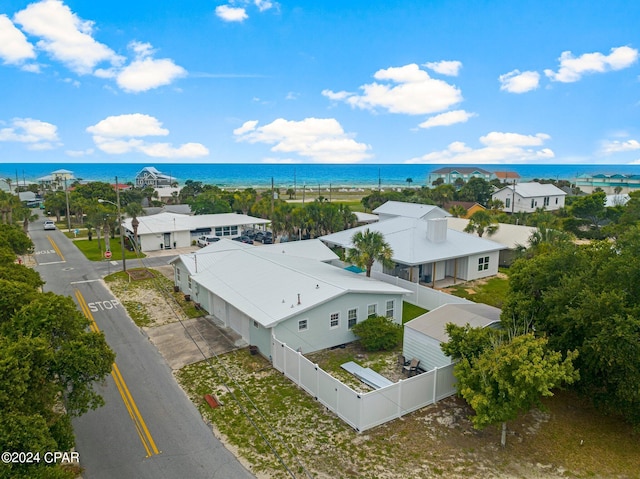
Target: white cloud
(498,147)
(80,153)
(146,73)
(64,36)
(165,150)
(231,14)
(292,95)
(572,68)
(132,125)
(448,118)
(121,134)
(445,67)
(496,138)
(14,47)
(264,5)
(143,75)
(320,139)
(519,82)
(616,146)
(412,91)
(38,135)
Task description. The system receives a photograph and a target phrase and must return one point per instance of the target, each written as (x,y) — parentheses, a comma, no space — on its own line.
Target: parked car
(267,240)
(207,240)
(243,239)
(49,225)
(258,237)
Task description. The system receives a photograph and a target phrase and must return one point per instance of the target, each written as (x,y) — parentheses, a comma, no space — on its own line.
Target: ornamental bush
(378,333)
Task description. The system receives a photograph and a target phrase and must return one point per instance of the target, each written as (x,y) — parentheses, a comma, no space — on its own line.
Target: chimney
(437,230)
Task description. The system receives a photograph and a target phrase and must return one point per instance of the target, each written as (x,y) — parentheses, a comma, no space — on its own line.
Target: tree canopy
(502,378)
(587,298)
(49,361)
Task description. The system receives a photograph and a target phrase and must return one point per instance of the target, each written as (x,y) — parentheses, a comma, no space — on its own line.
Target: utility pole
(66,195)
(124,263)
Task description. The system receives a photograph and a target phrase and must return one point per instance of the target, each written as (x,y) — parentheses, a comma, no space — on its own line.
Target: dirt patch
(139,274)
(148,301)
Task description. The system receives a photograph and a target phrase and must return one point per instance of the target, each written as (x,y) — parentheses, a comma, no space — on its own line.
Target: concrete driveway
(193,340)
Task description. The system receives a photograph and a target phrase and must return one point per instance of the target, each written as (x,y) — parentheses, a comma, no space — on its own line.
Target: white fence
(423,296)
(363,411)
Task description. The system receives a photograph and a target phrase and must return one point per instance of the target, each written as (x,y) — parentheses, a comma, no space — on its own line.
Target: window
(302,325)
(189,282)
(234,231)
(255,324)
(507,203)
(218,231)
(546,201)
(335,320)
(352,317)
(372,310)
(533,203)
(178,274)
(556,201)
(483,263)
(390,308)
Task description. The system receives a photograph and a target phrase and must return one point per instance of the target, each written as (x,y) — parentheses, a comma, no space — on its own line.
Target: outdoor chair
(402,361)
(411,369)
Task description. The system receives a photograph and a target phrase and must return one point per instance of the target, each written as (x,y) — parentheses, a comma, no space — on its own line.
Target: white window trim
(349,319)
(393,308)
(331,320)
(306,322)
(375,307)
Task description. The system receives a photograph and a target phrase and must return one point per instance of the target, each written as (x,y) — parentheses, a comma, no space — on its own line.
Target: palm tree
(482,222)
(368,247)
(409,181)
(458,211)
(134,210)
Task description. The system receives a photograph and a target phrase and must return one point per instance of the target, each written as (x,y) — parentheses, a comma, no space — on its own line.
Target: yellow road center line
(141,427)
(55,247)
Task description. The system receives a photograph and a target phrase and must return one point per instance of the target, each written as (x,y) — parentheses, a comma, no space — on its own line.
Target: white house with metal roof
(391,209)
(284,291)
(424,334)
(527,197)
(172,230)
(427,250)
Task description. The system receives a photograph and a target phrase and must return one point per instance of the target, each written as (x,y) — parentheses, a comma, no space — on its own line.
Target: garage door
(219,308)
(239,322)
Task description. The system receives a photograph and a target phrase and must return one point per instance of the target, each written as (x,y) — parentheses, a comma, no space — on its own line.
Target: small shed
(424,334)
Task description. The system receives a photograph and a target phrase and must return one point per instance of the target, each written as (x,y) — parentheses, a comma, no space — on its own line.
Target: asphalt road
(148,427)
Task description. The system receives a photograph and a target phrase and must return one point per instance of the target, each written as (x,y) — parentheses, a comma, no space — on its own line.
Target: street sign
(107,254)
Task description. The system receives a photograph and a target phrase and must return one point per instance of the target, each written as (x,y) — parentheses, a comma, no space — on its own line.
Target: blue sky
(253,81)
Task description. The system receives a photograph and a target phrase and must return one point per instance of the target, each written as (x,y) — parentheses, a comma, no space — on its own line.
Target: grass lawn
(492,291)
(411,311)
(93,253)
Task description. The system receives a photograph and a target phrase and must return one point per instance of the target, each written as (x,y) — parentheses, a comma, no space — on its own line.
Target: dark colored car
(258,237)
(243,239)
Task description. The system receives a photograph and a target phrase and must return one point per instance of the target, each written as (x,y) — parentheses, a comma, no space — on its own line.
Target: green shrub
(378,333)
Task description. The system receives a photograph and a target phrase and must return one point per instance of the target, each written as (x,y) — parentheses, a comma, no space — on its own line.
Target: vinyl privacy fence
(363,411)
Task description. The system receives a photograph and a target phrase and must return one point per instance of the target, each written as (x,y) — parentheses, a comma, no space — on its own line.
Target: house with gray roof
(150,176)
(426,250)
(424,334)
(172,230)
(527,197)
(449,174)
(283,291)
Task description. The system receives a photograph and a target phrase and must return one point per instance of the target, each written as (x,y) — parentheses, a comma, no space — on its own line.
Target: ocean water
(310,176)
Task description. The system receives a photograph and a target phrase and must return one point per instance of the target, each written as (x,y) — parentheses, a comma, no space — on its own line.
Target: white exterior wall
(426,349)
(319,334)
(473,262)
(524,204)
